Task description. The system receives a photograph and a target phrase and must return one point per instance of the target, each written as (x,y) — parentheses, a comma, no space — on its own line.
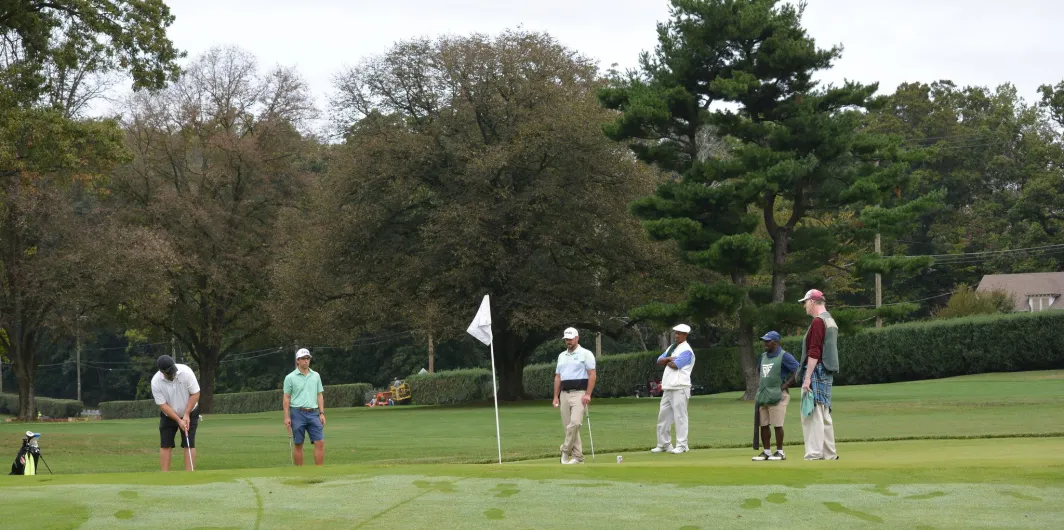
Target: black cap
(166,365)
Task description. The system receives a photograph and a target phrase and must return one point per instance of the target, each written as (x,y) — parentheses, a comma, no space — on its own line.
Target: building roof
(1023,286)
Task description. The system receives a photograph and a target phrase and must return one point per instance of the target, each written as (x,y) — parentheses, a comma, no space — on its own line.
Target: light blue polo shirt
(303,389)
(575,365)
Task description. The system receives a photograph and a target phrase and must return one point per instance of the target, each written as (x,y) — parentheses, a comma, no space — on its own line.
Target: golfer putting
(177,393)
(304,409)
(776,367)
(574,380)
(678,360)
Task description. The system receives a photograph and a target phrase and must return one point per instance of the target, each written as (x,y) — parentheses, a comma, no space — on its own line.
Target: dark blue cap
(772,335)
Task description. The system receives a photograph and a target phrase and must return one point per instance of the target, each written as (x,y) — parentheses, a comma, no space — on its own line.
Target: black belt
(301,409)
(574,384)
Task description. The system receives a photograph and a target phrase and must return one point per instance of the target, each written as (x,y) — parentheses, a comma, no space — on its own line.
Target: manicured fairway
(1018,404)
(981,451)
(1015,483)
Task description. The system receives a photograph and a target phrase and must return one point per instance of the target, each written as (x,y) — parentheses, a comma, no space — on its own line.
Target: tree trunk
(432,355)
(779,260)
(25,360)
(25,371)
(208,365)
(746,358)
(746,342)
(510,360)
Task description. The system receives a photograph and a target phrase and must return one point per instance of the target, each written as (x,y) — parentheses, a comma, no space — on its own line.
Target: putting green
(1016,483)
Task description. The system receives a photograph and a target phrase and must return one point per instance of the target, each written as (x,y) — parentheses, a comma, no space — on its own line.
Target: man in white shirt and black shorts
(177,393)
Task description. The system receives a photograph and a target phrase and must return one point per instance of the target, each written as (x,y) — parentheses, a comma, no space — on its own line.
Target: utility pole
(432,355)
(77,327)
(879,287)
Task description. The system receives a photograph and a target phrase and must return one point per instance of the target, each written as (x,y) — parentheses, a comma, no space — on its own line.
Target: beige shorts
(774,414)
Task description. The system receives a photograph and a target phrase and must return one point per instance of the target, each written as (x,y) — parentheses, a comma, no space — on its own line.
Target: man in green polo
(304,408)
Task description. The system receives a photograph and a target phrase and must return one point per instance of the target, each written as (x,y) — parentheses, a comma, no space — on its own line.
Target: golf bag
(28,456)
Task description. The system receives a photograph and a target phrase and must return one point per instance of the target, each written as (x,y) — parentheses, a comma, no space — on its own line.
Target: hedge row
(353,395)
(717,369)
(52,408)
(904,352)
(948,348)
(450,387)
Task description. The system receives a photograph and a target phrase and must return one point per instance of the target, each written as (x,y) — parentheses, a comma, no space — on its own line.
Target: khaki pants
(673,409)
(819,432)
(572,417)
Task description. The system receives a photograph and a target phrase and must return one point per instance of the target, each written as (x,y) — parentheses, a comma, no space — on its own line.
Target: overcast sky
(971,42)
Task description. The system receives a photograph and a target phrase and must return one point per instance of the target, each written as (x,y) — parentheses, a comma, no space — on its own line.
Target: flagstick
(495,391)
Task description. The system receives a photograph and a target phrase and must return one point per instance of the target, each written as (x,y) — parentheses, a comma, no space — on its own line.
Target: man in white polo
(177,393)
(574,380)
(679,361)
(304,408)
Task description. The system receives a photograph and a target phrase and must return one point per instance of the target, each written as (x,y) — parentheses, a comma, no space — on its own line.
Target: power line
(271,352)
(967,258)
(898,303)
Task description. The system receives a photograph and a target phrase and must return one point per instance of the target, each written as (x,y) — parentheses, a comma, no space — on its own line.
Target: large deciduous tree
(51,164)
(1000,160)
(473,166)
(217,156)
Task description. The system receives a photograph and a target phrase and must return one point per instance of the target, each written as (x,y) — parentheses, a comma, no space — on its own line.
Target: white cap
(571,333)
(682,328)
(303,352)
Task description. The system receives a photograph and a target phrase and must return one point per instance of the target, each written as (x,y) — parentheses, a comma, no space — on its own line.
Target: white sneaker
(679,450)
(762,456)
(778,455)
(667,448)
(573,461)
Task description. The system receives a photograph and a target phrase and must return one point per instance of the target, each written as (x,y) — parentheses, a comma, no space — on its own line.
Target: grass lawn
(979,451)
(1016,404)
(995,483)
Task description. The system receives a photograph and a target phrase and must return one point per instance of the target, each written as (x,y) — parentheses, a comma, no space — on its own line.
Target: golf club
(188,448)
(291,447)
(589,432)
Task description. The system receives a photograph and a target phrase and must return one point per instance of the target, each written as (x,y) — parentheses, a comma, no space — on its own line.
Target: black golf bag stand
(28,455)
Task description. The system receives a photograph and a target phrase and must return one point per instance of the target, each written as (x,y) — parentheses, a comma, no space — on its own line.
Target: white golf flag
(481,329)
(481,325)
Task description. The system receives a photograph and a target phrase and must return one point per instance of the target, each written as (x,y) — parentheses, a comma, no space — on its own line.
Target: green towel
(807,404)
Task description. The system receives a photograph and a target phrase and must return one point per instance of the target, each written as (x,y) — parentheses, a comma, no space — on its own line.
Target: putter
(592,436)
(188,448)
(291,448)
